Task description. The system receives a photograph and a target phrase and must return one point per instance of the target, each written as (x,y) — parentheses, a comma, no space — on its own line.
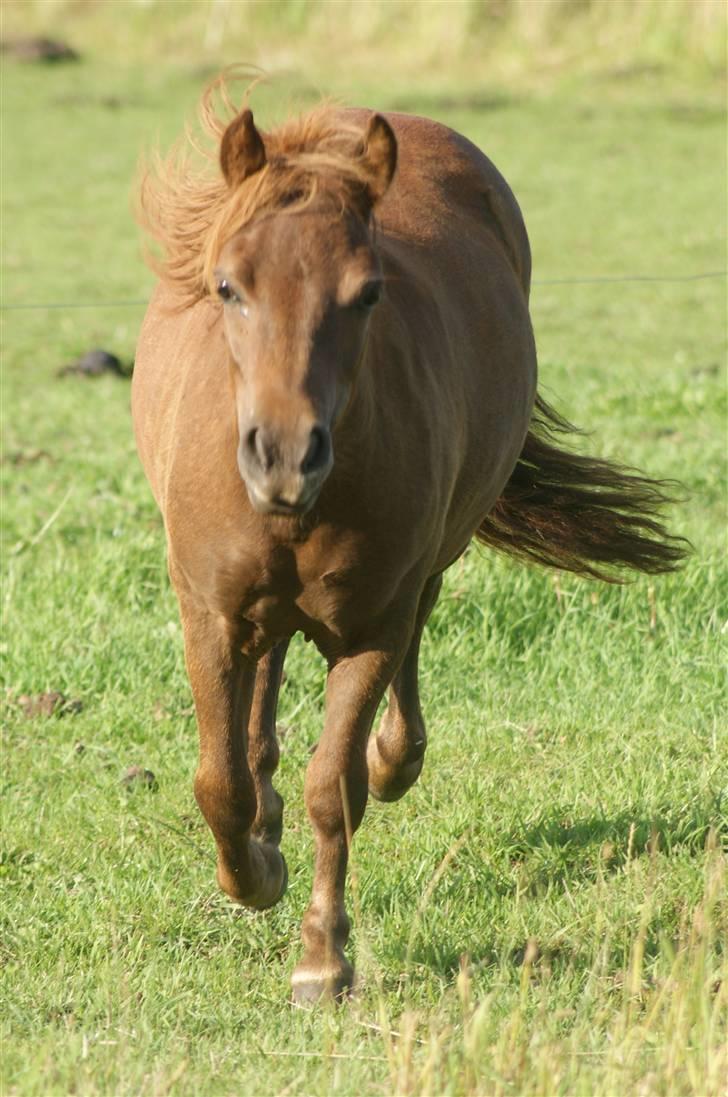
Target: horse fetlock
(257,880)
(268,825)
(390,776)
(324,972)
(325,928)
(316,981)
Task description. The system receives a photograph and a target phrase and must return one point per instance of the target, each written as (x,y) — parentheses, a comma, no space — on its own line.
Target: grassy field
(544,913)
(527,41)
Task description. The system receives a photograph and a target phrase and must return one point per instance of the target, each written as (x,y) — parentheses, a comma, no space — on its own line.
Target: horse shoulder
(179,389)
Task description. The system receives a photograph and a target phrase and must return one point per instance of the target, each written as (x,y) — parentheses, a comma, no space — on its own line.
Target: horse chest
(325,604)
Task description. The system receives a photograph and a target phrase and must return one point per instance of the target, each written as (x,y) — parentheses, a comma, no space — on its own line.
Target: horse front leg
(250,871)
(263,750)
(396,752)
(336,795)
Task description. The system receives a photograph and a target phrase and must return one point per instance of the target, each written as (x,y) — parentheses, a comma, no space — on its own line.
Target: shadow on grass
(623,836)
(555,854)
(551,956)
(560,850)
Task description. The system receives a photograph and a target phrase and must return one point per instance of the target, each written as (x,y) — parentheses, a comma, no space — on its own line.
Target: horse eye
(370,295)
(225,292)
(292,197)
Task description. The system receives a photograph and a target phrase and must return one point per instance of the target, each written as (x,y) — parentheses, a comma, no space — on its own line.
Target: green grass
(516,40)
(545,911)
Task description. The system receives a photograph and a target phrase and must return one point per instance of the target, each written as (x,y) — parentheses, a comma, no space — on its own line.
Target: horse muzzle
(282,473)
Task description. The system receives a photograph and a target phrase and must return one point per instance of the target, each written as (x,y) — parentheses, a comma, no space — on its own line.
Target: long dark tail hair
(578,513)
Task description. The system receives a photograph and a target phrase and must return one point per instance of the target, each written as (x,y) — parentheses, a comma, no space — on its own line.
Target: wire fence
(589,281)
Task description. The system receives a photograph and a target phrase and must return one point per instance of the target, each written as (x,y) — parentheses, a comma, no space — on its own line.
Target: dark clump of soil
(139,777)
(25,456)
(94,363)
(43,50)
(50,703)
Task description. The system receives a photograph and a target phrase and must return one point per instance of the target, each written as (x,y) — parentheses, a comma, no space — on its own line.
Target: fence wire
(589,281)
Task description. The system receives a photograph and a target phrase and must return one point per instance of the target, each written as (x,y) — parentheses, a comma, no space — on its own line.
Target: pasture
(545,910)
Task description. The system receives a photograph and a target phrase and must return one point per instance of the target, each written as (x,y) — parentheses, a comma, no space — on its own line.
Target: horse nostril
(260,448)
(317,453)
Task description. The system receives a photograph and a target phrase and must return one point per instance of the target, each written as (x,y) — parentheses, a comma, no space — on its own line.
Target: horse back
(441,174)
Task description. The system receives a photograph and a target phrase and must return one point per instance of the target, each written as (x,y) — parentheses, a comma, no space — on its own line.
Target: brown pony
(333,393)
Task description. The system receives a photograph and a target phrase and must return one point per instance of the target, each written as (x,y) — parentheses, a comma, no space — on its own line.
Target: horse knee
(335,794)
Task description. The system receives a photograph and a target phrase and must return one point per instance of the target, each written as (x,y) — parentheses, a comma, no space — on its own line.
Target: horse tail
(580,514)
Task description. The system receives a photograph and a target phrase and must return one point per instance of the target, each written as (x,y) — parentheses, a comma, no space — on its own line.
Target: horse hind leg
(396,753)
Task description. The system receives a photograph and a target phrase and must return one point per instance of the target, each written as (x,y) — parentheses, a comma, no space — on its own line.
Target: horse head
(299,281)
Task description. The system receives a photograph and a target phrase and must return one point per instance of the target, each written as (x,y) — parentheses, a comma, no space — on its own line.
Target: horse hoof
(269,892)
(310,987)
(281,891)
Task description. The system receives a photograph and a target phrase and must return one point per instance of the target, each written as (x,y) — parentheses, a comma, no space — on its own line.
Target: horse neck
(355,434)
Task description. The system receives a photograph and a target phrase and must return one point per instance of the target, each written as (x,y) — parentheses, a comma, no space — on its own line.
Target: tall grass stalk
(661,1028)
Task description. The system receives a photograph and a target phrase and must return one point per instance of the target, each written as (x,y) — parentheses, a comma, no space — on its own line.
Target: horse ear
(379,156)
(242,151)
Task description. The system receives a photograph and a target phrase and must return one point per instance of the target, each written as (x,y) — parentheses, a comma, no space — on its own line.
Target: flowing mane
(188,209)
